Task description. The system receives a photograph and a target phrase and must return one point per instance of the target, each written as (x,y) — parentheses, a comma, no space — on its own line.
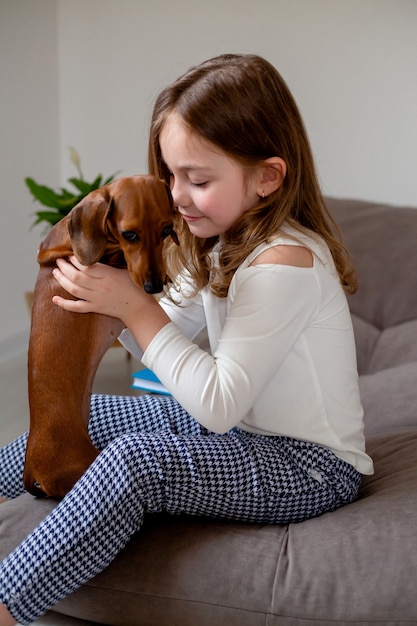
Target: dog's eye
(130,236)
(166,231)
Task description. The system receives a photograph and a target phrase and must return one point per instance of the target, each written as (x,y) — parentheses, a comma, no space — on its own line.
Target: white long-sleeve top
(282,357)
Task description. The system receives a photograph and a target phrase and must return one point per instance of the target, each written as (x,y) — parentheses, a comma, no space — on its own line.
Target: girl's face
(210,189)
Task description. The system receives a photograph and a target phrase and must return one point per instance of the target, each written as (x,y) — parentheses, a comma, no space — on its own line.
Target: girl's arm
(110,291)
(269,310)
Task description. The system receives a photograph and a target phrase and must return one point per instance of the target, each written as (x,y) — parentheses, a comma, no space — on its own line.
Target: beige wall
(84,73)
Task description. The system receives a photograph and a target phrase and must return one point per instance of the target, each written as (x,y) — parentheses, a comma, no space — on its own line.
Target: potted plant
(59,203)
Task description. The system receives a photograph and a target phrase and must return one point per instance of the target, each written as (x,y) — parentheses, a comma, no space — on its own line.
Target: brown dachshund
(123,224)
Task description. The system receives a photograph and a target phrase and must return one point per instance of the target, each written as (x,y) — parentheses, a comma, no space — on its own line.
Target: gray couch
(357,565)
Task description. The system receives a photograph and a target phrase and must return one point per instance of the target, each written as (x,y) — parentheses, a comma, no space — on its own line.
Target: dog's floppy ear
(174,237)
(86,226)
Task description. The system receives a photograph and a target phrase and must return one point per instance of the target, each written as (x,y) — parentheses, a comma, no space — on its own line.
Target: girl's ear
(272,174)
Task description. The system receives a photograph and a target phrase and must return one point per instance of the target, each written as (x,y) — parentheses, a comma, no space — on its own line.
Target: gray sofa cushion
(372,574)
(382,349)
(382,241)
(389,399)
(354,566)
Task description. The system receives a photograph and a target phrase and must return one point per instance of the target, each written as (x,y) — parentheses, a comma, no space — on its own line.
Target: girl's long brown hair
(241,104)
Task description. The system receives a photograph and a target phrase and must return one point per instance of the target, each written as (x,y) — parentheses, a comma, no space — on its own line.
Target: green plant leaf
(51,217)
(66,203)
(97,182)
(41,193)
(111,178)
(67,194)
(81,185)
(63,200)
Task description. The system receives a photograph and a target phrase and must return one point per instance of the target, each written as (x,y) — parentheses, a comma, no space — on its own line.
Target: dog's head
(123,224)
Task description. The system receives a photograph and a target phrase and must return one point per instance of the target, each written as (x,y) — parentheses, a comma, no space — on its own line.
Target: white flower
(75,159)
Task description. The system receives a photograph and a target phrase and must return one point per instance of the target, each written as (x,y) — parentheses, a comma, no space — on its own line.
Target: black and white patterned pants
(154,458)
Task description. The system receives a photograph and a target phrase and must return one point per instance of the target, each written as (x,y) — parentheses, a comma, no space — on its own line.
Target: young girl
(266,425)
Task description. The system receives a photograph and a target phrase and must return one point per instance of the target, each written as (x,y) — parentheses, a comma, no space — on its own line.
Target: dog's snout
(153,286)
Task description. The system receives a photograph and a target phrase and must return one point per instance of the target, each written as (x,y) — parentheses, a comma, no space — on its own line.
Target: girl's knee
(124,450)
(139,469)
(138,454)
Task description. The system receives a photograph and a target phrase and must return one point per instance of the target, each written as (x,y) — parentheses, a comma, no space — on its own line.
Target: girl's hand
(100,289)
(110,291)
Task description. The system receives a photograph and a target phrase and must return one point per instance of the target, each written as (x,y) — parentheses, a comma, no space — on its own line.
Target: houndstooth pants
(155,458)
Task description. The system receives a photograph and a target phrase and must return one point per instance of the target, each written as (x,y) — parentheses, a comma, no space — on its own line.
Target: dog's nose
(153,286)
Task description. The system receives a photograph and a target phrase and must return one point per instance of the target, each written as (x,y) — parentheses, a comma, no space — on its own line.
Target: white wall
(351,64)
(29,132)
